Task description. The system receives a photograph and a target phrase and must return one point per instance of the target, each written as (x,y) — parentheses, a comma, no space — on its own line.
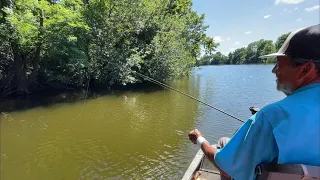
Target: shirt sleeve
(250,146)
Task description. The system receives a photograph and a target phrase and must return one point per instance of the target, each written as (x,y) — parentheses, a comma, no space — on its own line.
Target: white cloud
(295,9)
(248,32)
(267,16)
(288,1)
(228,39)
(232,49)
(312,8)
(218,39)
(236,43)
(299,19)
(285,10)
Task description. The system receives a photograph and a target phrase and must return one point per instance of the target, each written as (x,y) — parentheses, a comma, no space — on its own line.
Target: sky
(236,23)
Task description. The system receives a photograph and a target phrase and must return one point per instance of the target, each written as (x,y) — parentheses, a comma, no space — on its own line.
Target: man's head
(298,60)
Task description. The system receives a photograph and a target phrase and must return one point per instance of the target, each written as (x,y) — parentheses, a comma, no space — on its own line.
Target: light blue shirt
(288,129)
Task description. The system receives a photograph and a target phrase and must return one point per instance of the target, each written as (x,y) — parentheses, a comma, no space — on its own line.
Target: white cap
(284,47)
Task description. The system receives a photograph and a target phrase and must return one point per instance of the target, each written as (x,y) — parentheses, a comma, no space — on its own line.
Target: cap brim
(273,55)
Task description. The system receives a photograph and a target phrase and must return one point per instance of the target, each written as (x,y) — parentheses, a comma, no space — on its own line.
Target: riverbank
(46,96)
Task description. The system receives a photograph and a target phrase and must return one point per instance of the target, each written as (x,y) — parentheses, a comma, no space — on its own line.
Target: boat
(201,169)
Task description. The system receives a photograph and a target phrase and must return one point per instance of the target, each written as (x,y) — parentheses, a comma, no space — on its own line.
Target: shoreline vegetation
(246,55)
(70,44)
(65,45)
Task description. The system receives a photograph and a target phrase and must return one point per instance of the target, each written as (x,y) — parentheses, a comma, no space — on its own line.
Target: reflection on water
(130,134)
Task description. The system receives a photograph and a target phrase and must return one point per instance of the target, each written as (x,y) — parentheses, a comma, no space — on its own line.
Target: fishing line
(85,98)
(171,88)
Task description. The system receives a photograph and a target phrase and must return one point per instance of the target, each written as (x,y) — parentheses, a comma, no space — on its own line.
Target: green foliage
(73,41)
(205,60)
(239,56)
(281,40)
(6,58)
(248,55)
(219,58)
(209,45)
(213,59)
(271,60)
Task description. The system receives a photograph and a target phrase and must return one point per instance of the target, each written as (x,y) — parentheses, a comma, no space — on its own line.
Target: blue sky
(236,23)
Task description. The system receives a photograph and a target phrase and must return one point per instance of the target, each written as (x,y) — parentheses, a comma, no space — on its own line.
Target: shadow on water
(48,98)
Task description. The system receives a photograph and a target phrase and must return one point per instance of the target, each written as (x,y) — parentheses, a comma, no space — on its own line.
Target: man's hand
(193,135)
(207,149)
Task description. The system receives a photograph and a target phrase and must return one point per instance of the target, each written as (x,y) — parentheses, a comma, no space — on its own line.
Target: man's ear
(306,70)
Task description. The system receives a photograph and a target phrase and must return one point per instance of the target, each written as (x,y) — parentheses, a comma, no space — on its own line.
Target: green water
(130,134)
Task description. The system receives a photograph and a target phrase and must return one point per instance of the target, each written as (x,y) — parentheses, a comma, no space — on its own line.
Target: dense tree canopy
(246,55)
(97,42)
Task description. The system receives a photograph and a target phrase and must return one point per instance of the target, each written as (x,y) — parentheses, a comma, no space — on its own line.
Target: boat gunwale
(194,165)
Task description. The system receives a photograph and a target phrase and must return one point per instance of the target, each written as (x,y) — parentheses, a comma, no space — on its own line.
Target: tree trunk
(36,66)
(36,61)
(20,71)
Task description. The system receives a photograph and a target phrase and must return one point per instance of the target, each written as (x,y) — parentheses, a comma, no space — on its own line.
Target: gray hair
(299,61)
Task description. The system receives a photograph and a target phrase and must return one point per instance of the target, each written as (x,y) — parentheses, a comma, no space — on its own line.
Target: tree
(209,45)
(218,58)
(205,60)
(249,55)
(239,56)
(72,42)
(31,26)
(104,42)
(267,49)
(281,40)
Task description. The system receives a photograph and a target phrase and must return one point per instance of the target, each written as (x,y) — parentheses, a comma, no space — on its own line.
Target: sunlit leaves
(103,40)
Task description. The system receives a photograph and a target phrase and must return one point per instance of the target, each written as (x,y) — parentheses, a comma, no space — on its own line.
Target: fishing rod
(185,94)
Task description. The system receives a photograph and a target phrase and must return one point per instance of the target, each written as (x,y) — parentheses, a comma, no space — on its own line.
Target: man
(287,131)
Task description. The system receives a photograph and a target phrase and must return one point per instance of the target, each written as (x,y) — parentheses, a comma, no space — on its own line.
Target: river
(128,134)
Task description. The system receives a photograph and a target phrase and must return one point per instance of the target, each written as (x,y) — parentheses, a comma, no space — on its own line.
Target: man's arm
(251,145)
(197,138)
